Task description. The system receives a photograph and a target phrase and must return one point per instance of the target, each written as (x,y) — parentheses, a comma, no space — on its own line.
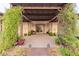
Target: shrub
(67,29)
(11,21)
(1,42)
(70,43)
(33,32)
(0,35)
(68,52)
(25,34)
(19,51)
(51,34)
(29,33)
(58,41)
(65,52)
(18,37)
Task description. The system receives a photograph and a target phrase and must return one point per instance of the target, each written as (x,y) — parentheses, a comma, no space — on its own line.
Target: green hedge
(11,21)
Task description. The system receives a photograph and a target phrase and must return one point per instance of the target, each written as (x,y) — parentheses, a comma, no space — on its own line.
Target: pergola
(40,11)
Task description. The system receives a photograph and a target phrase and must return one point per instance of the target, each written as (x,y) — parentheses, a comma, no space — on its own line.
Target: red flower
(20,42)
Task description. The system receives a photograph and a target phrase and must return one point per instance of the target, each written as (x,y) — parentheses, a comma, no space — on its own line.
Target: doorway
(40,28)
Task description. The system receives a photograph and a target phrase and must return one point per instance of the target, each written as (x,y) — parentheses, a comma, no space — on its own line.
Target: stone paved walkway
(39,41)
(38,52)
(40,45)
(44,52)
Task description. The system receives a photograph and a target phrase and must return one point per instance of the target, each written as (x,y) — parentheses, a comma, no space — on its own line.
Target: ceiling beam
(40,14)
(56,15)
(53,18)
(26,18)
(42,8)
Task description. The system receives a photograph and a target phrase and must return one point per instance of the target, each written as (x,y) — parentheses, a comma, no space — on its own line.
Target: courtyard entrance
(40,28)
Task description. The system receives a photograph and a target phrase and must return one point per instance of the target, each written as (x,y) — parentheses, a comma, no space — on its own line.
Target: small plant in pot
(54,34)
(29,33)
(25,34)
(33,32)
(50,33)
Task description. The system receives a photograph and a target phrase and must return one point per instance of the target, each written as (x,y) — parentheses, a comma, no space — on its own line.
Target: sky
(77,7)
(4,6)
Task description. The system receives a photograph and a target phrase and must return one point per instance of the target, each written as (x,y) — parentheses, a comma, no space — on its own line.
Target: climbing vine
(10,27)
(67,30)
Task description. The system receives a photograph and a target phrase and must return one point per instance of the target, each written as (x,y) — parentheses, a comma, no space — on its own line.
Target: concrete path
(39,41)
(39,44)
(43,52)
(38,52)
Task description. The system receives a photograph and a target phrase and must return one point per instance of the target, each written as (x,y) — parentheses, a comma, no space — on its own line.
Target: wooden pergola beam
(42,8)
(26,18)
(53,18)
(56,15)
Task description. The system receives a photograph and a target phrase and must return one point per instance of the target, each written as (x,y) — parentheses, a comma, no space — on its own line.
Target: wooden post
(58,26)
(21,28)
(51,26)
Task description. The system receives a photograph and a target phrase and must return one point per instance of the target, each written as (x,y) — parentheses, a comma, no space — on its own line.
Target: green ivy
(66,52)
(11,21)
(68,30)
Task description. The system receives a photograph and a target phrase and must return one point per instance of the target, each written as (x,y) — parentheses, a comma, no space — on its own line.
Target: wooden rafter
(26,18)
(41,7)
(56,15)
(53,18)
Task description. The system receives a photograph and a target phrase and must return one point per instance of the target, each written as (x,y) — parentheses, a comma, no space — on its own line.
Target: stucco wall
(33,27)
(52,27)
(46,27)
(19,29)
(25,27)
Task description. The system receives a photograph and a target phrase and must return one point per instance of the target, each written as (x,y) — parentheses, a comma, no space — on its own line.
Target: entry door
(40,28)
